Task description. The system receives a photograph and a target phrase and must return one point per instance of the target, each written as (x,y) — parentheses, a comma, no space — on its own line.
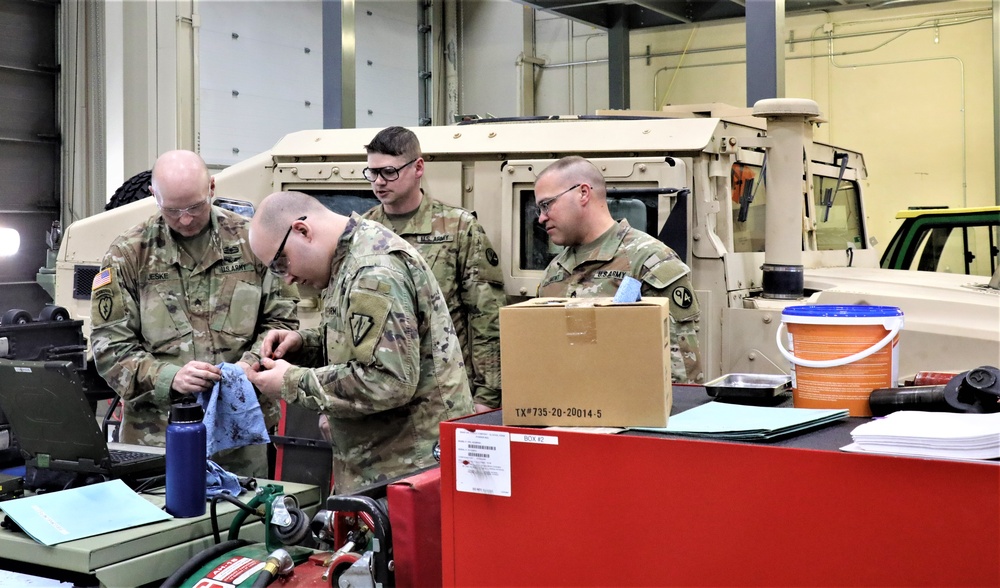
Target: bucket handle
(833,362)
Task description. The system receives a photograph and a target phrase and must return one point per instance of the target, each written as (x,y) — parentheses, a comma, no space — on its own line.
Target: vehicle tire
(52,312)
(134,189)
(15,316)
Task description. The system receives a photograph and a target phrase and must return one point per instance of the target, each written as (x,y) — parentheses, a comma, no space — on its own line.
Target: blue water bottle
(186,443)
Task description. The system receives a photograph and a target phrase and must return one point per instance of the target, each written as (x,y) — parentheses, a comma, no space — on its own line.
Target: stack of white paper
(930,434)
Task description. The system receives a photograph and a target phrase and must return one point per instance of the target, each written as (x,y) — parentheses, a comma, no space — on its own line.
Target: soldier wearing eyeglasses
(384,366)
(571,197)
(454,244)
(177,295)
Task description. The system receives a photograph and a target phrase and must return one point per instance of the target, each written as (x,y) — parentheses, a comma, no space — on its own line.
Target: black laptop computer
(57,430)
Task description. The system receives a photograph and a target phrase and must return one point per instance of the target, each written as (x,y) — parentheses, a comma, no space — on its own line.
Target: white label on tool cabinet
(482,462)
(540,439)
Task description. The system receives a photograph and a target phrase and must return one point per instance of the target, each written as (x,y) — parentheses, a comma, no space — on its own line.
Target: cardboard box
(586,362)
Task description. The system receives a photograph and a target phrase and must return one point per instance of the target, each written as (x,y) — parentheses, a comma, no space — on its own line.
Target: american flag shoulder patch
(102,279)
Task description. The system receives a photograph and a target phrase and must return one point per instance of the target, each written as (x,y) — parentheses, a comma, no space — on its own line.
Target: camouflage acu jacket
(385,365)
(467,268)
(624,251)
(149,320)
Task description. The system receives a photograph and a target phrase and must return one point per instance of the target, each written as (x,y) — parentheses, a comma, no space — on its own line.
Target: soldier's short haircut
(395,141)
(577,169)
(280,209)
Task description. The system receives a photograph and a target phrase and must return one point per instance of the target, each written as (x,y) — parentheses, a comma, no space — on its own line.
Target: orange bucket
(839,354)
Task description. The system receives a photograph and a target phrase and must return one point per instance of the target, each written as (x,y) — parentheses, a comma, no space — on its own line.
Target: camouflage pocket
(237,309)
(163,319)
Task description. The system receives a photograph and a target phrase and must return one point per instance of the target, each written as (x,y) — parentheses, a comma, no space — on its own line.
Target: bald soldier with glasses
(177,295)
(384,366)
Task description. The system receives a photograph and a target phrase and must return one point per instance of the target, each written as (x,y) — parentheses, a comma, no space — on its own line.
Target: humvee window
(536,249)
(749,206)
(838,214)
(958,241)
(837,210)
(346,201)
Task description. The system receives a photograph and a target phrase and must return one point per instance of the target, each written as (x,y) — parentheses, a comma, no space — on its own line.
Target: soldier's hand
(279,343)
(324,427)
(269,377)
(195,377)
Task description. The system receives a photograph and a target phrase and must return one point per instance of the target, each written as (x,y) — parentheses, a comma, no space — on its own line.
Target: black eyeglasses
(388,173)
(279,265)
(545,205)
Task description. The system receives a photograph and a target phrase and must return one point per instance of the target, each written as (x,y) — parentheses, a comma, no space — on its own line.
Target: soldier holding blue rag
(177,295)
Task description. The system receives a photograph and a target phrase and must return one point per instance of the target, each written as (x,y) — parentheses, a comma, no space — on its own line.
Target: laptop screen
(49,412)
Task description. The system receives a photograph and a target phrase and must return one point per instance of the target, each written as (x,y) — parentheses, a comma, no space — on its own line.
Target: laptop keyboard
(125,456)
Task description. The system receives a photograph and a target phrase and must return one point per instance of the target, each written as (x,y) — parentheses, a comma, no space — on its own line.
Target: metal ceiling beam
(765,31)
(665,8)
(619,79)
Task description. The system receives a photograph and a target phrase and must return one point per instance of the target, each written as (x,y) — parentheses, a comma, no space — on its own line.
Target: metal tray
(748,386)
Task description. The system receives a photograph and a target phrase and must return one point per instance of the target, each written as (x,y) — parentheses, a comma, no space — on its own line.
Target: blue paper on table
(721,420)
(232,413)
(67,515)
(628,291)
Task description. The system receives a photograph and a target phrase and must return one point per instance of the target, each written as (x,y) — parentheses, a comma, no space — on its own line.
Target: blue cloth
(218,481)
(629,290)
(232,413)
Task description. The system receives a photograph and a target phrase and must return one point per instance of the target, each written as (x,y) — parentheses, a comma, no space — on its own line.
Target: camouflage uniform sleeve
(671,278)
(277,311)
(121,359)
(312,352)
(482,295)
(380,356)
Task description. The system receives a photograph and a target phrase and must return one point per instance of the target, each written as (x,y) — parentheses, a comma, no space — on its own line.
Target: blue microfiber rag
(218,481)
(232,413)
(628,290)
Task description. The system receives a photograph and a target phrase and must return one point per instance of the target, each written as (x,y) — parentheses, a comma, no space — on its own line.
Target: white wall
(386,63)
(491,39)
(260,75)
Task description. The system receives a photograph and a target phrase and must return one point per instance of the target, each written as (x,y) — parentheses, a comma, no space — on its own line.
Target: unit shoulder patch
(682,297)
(368,314)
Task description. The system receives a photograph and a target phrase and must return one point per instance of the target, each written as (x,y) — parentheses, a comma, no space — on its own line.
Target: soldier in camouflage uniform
(456,247)
(177,295)
(571,196)
(385,366)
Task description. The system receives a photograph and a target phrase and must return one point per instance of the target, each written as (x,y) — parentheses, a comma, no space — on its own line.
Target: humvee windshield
(537,251)
(837,209)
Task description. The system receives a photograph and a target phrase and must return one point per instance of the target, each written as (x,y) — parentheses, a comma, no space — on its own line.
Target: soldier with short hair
(178,294)
(571,196)
(456,247)
(384,366)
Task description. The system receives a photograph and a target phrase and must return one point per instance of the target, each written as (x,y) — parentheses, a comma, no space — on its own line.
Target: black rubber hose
(200,559)
(215,519)
(264,579)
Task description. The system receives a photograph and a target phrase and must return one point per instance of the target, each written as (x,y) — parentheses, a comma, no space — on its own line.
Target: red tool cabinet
(628,510)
